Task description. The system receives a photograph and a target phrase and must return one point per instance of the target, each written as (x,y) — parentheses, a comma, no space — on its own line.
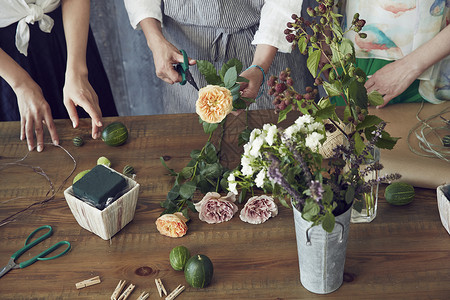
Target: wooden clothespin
(143,296)
(88,282)
(118,289)
(175,292)
(160,287)
(127,292)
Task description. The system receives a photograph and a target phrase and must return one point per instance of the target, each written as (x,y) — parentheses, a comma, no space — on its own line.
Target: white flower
(291,131)
(316,126)
(247,169)
(256,146)
(305,119)
(232,184)
(271,133)
(255,133)
(312,141)
(260,178)
(247,148)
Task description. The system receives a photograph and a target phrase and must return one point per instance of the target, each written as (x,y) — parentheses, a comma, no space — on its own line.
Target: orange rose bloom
(214,103)
(172,225)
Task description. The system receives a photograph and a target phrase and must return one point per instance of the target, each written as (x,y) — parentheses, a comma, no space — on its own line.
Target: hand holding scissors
(183,69)
(28,245)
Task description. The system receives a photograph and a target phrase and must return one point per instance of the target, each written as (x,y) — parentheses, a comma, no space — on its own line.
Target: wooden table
(403,254)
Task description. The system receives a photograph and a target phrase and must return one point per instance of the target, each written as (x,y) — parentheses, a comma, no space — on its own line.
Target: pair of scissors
(183,69)
(28,245)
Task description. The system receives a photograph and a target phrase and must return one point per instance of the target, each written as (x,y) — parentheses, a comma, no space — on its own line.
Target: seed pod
(78,141)
(128,170)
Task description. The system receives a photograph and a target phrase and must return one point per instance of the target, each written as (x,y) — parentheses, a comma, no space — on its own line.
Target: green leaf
(195,154)
(210,153)
(327,195)
(333,89)
(230,77)
(302,44)
(191,206)
(283,114)
(375,98)
(358,93)
(185,213)
(337,30)
(326,112)
(211,171)
(346,47)
(239,104)
(171,171)
(208,70)
(347,113)
(235,88)
(244,136)
(242,79)
(328,222)
(359,144)
(187,189)
(242,195)
(173,193)
(187,172)
(350,194)
(204,185)
(369,120)
(310,210)
(209,127)
(313,62)
(231,63)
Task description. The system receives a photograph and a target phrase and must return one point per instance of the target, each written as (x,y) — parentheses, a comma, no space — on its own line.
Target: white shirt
(275,14)
(27,12)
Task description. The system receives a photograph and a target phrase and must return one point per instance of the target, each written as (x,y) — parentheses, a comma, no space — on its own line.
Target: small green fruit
(178,257)
(103,161)
(78,141)
(128,170)
(79,175)
(198,271)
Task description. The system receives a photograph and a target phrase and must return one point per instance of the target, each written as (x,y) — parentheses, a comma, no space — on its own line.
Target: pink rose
(172,225)
(257,210)
(216,209)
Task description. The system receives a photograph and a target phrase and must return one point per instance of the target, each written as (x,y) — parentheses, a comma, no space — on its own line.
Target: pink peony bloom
(172,225)
(258,209)
(214,208)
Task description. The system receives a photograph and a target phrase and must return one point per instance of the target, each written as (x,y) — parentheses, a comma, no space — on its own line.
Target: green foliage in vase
(332,62)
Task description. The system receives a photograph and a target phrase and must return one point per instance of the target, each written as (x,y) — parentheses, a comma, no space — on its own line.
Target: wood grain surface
(403,254)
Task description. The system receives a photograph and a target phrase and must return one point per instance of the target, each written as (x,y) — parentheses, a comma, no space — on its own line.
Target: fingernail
(74,125)
(99,124)
(30,148)
(39,148)
(55,142)
(94,136)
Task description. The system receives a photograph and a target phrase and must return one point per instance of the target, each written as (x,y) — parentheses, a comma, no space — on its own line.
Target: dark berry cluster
(282,89)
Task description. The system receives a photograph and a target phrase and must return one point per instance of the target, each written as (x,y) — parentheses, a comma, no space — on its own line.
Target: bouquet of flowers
(287,164)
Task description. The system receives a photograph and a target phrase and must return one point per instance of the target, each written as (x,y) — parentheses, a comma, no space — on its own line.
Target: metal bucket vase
(321,255)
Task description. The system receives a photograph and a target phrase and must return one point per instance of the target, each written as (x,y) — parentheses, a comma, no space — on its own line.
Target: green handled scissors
(28,245)
(183,69)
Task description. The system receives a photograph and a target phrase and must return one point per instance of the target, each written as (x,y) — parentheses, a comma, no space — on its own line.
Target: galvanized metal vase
(321,255)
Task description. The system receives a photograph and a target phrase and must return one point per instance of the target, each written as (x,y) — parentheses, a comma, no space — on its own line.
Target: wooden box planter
(107,222)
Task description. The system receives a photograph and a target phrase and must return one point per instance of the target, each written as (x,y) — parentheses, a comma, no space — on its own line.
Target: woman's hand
(391,80)
(79,92)
(34,113)
(251,89)
(165,55)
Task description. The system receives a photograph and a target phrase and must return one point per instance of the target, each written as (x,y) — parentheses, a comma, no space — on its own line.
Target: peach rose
(214,103)
(172,225)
